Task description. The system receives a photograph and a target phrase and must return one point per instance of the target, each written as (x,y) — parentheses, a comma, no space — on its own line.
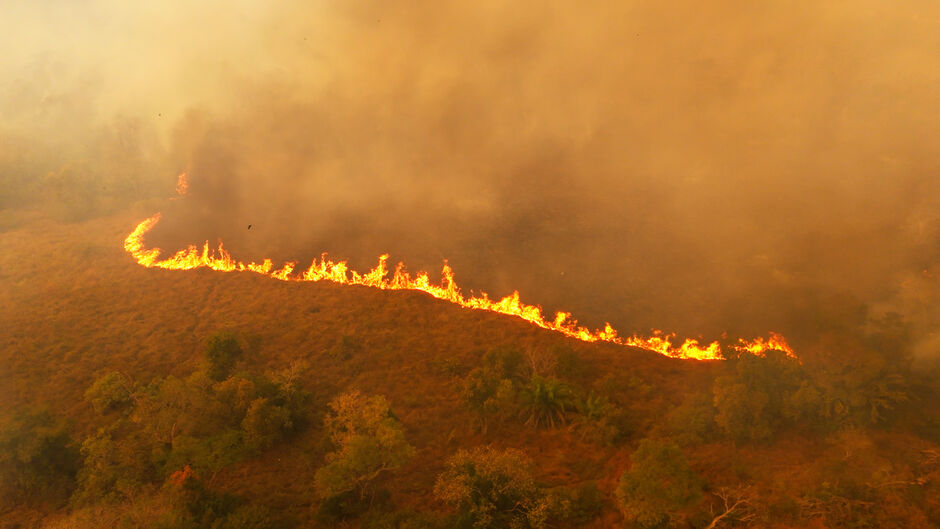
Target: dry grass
(74,306)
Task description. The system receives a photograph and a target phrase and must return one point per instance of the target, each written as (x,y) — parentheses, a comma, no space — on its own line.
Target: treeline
(168,439)
(178,433)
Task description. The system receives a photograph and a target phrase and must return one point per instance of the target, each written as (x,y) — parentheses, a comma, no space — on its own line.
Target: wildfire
(182,184)
(379,277)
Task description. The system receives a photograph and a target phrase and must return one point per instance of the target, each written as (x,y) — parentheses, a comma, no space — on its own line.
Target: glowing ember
(326,270)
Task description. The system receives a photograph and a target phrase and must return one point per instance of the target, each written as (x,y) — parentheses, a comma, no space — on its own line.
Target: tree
(492,488)
(693,421)
(598,420)
(222,351)
(546,401)
(116,461)
(658,485)
(110,392)
(761,395)
(486,395)
(742,411)
(36,457)
(369,441)
(735,507)
(265,423)
(504,363)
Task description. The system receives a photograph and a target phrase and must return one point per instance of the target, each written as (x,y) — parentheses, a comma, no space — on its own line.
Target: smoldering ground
(736,167)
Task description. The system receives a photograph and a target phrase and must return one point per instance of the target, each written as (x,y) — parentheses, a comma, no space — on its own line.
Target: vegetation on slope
(148,398)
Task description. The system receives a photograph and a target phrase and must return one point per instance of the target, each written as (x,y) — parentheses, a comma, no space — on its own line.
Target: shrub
(264,423)
(504,363)
(110,392)
(113,468)
(546,401)
(197,504)
(598,420)
(345,348)
(757,399)
(658,484)
(222,351)
(570,365)
(694,420)
(581,504)
(405,520)
(488,396)
(249,517)
(37,458)
(492,489)
(369,441)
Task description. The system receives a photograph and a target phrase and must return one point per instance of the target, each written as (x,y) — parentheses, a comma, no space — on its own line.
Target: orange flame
(760,346)
(182,184)
(338,272)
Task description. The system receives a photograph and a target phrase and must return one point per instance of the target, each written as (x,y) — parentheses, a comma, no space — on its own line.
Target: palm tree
(546,401)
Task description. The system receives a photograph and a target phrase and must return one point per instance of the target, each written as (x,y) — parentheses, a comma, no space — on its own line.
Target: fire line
(338,272)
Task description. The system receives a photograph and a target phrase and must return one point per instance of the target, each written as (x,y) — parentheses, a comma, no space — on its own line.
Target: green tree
(492,489)
(116,461)
(504,363)
(37,458)
(759,396)
(222,351)
(488,396)
(598,420)
(265,423)
(693,421)
(546,401)
(369,441)
(658,485)
(111,391)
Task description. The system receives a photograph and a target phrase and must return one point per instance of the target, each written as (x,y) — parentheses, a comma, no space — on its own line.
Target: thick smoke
(730,166)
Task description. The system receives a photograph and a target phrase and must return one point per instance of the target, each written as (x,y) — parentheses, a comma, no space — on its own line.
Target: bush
(546,401)
(197,505)
(222,351)
(581,504)
(369,441)
(599,421)
(249,517)
(405,520)
(195,422)
(114,467)
(345,348)
(110,392)
(763,394)
(504,363)
(37,458)
(570,365)
(264,423)
(693,421)
(492,489)
(658,485)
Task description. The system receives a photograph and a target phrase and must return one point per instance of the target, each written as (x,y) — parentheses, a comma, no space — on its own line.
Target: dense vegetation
(236,402)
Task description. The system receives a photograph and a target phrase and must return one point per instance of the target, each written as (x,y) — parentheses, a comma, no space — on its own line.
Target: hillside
(76,307)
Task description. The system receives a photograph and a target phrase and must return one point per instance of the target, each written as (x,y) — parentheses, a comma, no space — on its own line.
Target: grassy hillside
(75,307)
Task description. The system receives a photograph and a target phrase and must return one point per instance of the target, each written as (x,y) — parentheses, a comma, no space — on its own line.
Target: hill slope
(75,307)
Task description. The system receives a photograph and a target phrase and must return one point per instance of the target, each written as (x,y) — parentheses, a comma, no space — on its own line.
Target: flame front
(326,270)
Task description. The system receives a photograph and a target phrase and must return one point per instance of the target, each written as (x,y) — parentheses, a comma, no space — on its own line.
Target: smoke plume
(723,167)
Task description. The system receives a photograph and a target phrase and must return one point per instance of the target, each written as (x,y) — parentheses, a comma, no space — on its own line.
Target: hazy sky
(730,165)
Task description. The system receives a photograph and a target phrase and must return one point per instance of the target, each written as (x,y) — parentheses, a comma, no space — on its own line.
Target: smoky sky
(700,167)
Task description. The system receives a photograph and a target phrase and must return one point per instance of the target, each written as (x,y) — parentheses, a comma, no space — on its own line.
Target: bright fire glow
(326,270)
(182,184)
